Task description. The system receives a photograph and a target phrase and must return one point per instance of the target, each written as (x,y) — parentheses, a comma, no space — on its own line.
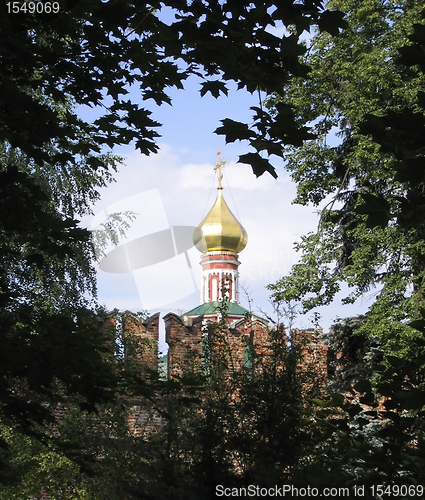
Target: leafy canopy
(370,179)
(52,162)
(91,53)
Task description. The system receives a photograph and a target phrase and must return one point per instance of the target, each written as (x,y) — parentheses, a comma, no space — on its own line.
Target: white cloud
(186,191)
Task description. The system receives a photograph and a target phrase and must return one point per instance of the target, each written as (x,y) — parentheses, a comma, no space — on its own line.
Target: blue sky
(177,186)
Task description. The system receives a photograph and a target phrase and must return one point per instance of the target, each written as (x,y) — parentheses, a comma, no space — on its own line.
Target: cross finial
(218,168)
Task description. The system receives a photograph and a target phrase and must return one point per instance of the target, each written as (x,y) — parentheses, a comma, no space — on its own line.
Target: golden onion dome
(220,230)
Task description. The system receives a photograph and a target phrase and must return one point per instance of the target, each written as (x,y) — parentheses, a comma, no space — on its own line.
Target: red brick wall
(141,340)
(313,353)
(184,344)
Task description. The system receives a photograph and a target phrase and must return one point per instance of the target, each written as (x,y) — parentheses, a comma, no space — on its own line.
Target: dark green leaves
(234,131)
(377,209)
(363,386)
(415,52)
(332,21)
(51,161)
(259,165)
(94,51)
(367,161)
(268,133)
(215,87)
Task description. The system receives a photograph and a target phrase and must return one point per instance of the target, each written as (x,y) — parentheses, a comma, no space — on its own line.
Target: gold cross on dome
(218,168)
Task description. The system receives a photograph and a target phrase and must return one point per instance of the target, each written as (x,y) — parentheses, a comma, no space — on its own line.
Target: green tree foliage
(93,53)
(51,338)
(235,426)
(353,355)
(369,234)
(52,163)
(74,440)
(366,86)
(242,425)
(93,457)
(374,433)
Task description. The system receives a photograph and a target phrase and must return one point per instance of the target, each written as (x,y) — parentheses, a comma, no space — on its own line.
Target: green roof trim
(211,308)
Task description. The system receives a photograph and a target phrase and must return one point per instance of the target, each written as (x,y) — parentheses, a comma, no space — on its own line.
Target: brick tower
(220,237)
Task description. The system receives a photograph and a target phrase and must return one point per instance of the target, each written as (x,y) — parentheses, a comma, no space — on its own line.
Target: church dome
(220,230)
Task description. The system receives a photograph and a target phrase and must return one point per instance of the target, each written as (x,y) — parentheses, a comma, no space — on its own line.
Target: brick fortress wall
(140,338)
(185,339)
(185,347)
